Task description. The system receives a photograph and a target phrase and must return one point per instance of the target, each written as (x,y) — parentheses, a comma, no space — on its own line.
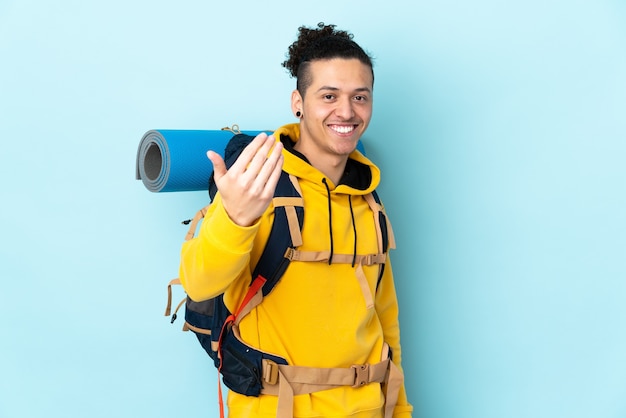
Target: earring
(298,114)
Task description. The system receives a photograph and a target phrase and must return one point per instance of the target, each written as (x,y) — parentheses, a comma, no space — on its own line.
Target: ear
(296,102)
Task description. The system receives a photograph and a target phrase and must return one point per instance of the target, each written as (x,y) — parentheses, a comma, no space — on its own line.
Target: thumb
(219,166)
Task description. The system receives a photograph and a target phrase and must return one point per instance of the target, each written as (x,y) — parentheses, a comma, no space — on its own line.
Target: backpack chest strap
(318,256)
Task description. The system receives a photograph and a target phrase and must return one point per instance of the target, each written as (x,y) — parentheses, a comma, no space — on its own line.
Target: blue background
(501,133)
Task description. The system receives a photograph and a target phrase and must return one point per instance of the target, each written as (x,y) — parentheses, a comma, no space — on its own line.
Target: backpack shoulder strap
(284,236)
(285,232)
(386,239)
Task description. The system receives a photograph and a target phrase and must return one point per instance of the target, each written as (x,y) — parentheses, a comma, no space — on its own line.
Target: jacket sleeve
(387,309)
(217,256)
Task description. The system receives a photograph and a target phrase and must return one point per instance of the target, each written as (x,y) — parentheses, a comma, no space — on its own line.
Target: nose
(344,109)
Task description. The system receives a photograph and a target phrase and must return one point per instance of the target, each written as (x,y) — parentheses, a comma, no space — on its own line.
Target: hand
(247,188)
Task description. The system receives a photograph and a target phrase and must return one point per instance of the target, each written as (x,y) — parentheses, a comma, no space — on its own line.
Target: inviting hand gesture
(247,188)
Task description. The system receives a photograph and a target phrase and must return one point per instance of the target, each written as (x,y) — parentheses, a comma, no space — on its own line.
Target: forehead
(340,73)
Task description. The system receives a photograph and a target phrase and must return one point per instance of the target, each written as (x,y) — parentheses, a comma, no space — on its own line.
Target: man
(337,311)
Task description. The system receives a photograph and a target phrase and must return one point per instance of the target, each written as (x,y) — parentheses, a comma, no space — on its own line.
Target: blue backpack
(243,367)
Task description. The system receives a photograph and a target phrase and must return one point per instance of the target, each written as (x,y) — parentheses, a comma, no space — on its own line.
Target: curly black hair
(323,42)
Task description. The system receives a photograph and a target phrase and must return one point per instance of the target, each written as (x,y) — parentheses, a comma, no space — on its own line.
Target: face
(336,107)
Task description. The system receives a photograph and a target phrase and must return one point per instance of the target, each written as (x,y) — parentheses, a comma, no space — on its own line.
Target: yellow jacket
(317,315)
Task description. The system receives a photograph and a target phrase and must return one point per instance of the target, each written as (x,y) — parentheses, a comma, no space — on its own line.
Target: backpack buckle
(290,254)
(270,372)
(361,375)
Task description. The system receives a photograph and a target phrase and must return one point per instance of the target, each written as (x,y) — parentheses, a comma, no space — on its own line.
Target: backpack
(246,369)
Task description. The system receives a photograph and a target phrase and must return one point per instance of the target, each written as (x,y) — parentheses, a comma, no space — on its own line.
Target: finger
(219,166)
(259,159)
(272,181)
(265,183)
(270,164)
(248,153)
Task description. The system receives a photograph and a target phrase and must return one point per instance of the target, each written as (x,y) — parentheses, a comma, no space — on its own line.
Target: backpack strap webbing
(168,308)
(194,223)
(287,381)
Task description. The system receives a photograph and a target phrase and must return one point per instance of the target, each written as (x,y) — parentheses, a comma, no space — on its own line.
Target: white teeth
(343,129)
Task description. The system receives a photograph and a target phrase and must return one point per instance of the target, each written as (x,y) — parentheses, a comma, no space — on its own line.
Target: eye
(360,98)
(329,96)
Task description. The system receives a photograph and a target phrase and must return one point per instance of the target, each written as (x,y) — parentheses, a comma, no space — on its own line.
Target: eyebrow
(358,90)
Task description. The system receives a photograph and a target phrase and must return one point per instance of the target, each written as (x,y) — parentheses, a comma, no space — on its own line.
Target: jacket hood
(361,176)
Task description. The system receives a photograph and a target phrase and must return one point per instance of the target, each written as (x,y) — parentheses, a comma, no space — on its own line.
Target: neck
(332,166)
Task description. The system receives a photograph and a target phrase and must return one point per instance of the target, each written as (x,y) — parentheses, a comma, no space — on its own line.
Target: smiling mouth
(343,129)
